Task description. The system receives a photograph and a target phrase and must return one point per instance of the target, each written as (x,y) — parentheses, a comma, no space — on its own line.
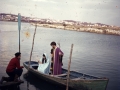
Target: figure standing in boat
(57,59)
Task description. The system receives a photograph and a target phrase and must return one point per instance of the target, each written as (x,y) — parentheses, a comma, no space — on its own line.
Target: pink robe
(57,64)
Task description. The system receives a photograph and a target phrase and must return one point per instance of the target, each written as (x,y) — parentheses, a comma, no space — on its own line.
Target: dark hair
(44,59)
(51,51)
(17,54)
(44,55)
(53,43)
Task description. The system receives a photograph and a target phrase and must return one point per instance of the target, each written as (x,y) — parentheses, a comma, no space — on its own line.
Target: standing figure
(57,62)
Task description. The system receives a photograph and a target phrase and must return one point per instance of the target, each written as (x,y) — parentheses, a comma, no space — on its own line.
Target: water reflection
(40,84)
(11,88)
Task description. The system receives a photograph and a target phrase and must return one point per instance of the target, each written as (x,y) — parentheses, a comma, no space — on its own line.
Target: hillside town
(64,24)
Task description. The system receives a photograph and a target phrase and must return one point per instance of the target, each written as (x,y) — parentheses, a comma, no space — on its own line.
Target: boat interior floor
(73,74)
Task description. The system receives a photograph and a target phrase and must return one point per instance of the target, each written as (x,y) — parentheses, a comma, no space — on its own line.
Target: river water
(94,54)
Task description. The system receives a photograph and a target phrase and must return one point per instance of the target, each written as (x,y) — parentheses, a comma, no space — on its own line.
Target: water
(94,54)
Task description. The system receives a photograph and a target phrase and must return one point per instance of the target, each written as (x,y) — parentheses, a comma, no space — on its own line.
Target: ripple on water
(93,54)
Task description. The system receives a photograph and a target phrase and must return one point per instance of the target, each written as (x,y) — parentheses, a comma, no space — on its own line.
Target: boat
(77,80)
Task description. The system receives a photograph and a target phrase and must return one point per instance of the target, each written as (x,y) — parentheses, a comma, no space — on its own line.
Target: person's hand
(22,67)
(39,62)
(60,53)
(62,64)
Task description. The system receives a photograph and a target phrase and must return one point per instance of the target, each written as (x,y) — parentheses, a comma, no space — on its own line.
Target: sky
(94,11)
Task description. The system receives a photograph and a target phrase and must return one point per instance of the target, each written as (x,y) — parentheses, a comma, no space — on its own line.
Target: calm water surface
(93,54)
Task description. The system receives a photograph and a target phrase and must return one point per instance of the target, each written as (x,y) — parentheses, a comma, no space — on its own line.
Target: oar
(19,27)
(68,74)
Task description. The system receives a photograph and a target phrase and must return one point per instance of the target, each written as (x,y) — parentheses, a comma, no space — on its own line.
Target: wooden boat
(78,81)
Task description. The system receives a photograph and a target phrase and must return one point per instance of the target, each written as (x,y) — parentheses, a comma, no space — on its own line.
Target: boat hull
(77,84)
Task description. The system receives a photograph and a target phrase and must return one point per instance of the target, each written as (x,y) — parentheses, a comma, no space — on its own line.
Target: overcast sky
(103,11)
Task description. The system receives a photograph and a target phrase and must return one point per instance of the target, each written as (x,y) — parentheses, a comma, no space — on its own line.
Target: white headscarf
(45,67)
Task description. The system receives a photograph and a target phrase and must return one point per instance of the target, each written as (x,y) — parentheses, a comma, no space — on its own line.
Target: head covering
(44,68)
(45,55)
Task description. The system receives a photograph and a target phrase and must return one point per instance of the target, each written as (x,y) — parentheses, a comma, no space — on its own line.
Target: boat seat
(61,75)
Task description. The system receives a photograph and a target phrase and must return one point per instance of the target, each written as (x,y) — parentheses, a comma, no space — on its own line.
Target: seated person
(14,70)
(44,64)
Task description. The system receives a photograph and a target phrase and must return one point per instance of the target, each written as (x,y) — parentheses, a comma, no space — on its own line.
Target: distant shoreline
(81,29)
(71,25)
(98,30)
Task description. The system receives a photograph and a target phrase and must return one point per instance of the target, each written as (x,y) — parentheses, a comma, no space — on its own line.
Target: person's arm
(61,56)
(18,64)
(61,53)
(39,62)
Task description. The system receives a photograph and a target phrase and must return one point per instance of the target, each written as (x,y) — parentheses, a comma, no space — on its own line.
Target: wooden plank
(9,84)
(32,44)
(68,74)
